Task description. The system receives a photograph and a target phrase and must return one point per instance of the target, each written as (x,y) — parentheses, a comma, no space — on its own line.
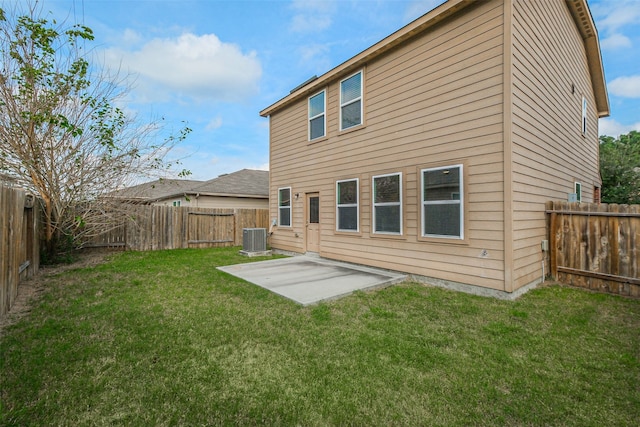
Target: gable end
(584,22)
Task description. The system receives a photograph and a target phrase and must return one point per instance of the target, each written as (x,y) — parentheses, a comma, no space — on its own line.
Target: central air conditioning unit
(254,239)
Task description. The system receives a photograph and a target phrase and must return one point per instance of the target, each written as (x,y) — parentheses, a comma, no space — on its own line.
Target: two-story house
(434,151)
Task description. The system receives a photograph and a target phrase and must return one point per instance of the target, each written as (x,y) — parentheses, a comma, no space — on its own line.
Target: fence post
(19,251)
(235,227)
(553,242)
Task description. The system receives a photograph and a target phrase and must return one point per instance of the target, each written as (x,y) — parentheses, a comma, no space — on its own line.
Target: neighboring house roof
(159,188)
(7,179)
(243,183)
(246,182)
(579,10)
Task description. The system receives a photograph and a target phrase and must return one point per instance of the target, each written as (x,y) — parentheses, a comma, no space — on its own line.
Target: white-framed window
(284,207)
(351,101)
(317,120)
(176,203)
(577,188)
(347,205)
(584,115)
(443,202)
(387,203)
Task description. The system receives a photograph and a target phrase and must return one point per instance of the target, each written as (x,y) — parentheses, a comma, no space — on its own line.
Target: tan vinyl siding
(434,101)
(230,202)
(549,150)
(495,86)
(218,202)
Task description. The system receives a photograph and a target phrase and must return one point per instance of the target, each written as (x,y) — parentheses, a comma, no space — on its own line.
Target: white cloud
(610,127)
(206,166)
(310,53)
(625,86)
(131,37)
(308,23)
(190,67)
(214,123)
(419,7)
(314,6)
(311,15)
(263,125)
(615,41)
(616,21)
(617,14)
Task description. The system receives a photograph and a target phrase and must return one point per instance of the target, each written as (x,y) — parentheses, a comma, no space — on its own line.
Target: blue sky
(216,63)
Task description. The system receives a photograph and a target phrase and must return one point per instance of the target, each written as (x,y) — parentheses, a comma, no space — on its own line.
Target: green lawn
(163,338)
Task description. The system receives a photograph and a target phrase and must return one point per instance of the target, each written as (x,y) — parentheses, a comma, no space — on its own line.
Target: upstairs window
(577,188)
(351,101)
(347,205)
(387,204)
(584,115)
(442,202)
(284,207)
(317,108)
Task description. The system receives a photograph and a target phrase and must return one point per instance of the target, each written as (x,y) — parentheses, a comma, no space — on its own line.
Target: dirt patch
(29,291)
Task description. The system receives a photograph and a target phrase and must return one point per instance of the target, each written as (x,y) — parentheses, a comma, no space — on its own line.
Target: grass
(163,338)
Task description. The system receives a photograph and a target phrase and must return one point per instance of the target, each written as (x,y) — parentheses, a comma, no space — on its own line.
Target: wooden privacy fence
(595,246)
(19,242)
(167,227)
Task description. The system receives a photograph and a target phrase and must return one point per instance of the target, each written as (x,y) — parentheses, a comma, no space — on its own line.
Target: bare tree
(62,134)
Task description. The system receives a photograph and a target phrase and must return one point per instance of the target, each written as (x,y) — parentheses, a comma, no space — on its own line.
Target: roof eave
(425,21)
(587,27)
(202,193)
(243,196)
(579,9)
(598,80)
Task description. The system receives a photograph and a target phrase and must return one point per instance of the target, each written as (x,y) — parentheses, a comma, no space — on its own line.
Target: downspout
(507,120)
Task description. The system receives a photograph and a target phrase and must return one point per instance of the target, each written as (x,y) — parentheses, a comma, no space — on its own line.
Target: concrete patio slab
(309,280)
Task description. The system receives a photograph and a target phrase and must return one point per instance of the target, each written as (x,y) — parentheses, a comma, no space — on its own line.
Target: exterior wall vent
(254,239)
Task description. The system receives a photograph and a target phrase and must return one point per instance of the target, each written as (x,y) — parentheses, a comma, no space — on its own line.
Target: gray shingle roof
(157,189)
(246,182)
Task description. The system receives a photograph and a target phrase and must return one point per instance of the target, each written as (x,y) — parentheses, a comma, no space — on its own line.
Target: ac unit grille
(254,239)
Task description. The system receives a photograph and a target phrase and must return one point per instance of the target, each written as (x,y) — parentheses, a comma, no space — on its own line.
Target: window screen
(317,116)
(347,205)
(387,204)
(584,116)
(442,213)
(314,210)
(284,207)
(351,101)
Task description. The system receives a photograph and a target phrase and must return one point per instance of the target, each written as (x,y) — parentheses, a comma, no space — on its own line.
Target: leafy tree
(62,134)
(620,168)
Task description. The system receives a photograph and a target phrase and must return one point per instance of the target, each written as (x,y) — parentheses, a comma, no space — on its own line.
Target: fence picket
(168,227)
(595,246)
(19,243)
